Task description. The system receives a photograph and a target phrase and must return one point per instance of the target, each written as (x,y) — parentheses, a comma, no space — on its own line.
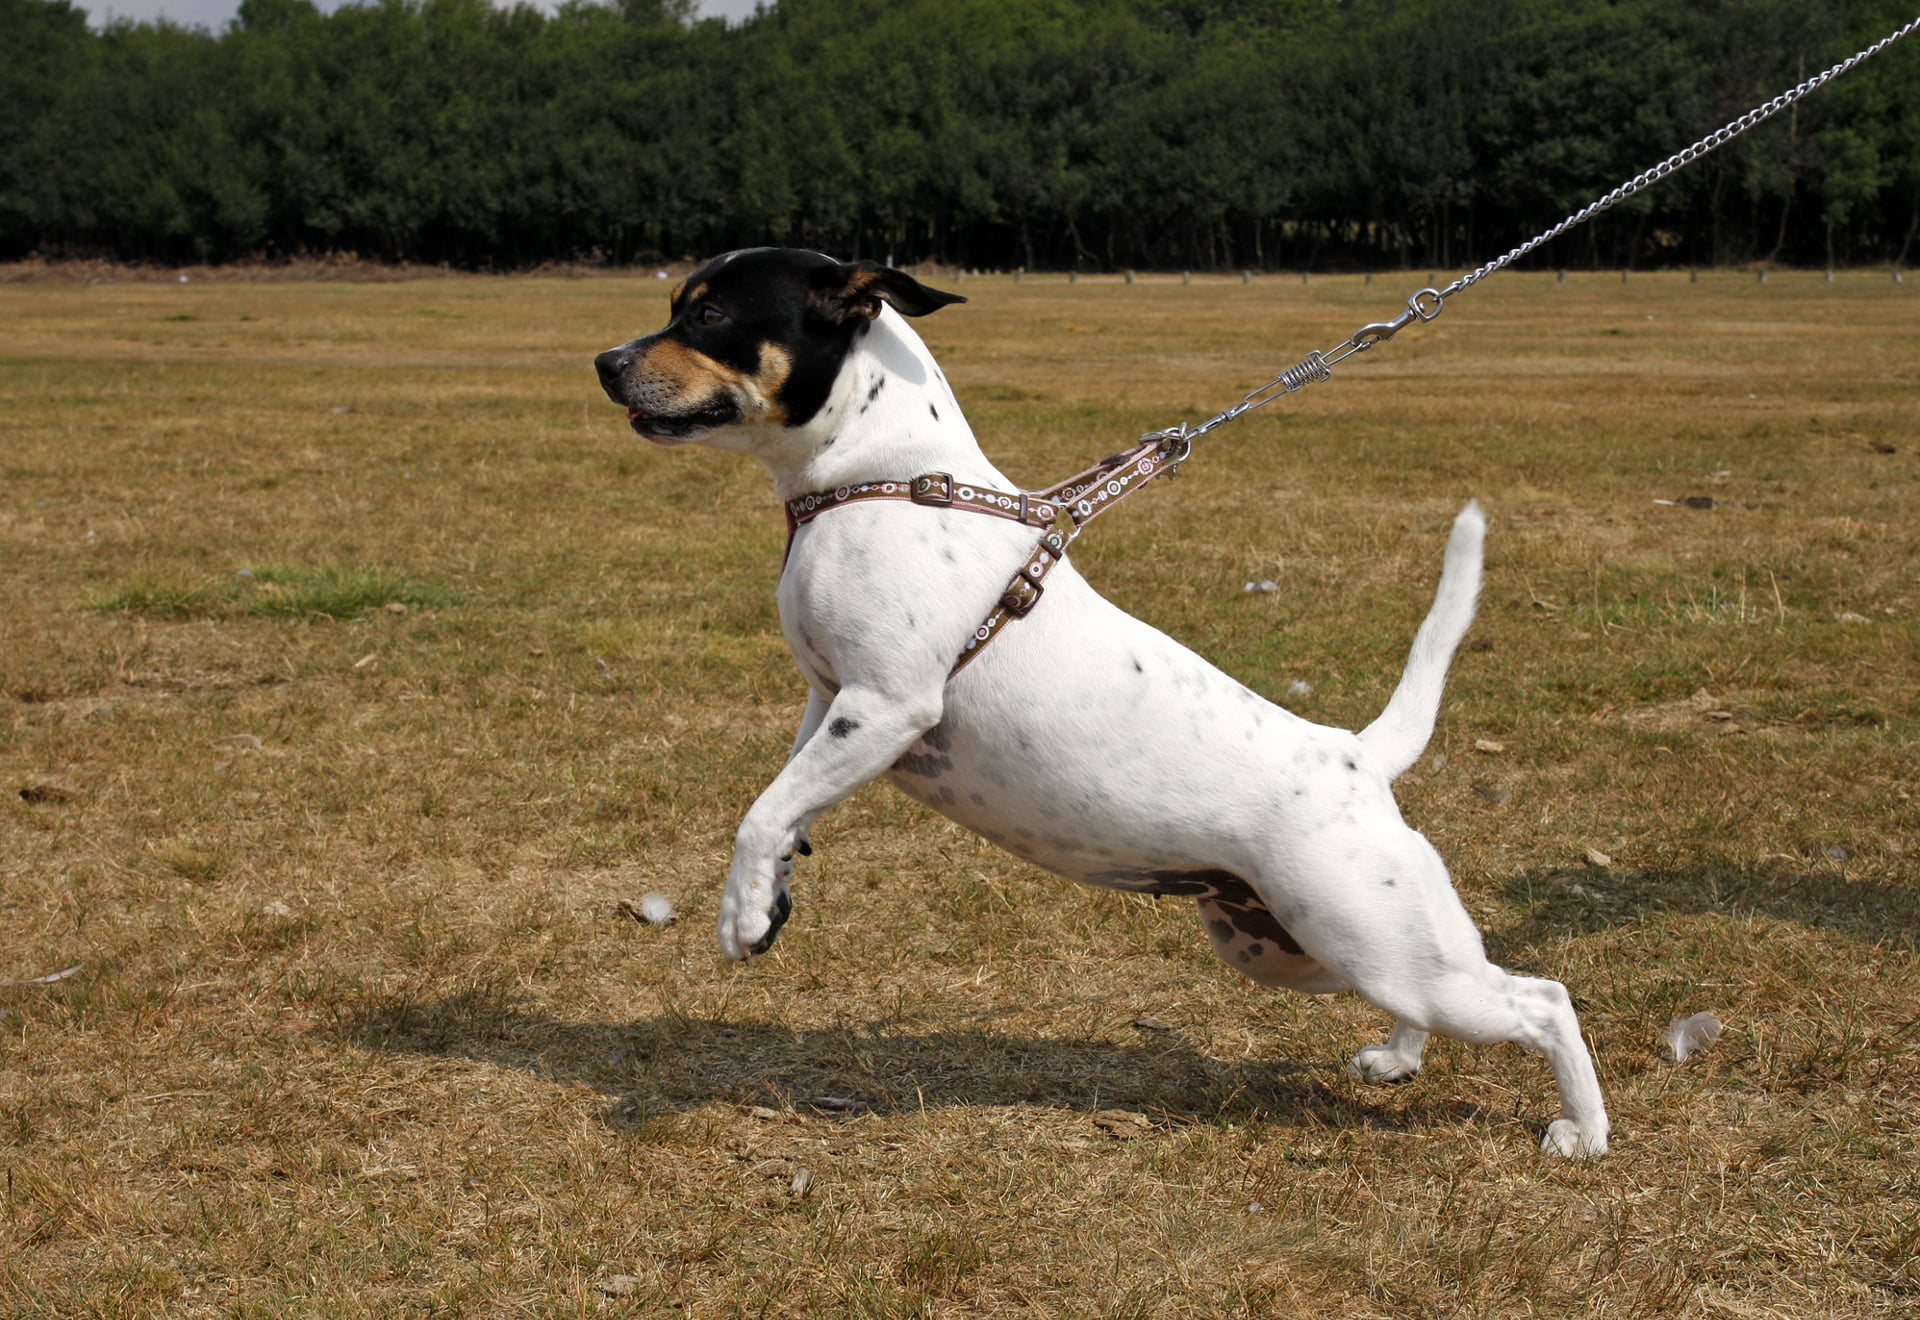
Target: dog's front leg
(815,712)
(858,735)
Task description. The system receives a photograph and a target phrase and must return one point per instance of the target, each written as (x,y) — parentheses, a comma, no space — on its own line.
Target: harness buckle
(1036,511)
(1023,593)
(934,489)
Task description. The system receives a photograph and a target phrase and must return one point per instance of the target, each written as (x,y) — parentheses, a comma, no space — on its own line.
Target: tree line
(1084,134)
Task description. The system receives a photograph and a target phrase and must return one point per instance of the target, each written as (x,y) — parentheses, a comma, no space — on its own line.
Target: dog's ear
(857,288)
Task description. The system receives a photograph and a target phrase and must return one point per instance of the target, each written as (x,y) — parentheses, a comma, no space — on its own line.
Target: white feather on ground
(657,908)
(1689,1035)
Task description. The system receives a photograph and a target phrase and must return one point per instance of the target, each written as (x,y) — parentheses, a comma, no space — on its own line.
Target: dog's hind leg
(1487,1005)
(1380,911)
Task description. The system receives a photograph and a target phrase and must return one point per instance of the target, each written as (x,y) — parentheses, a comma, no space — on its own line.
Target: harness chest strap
(1061,509)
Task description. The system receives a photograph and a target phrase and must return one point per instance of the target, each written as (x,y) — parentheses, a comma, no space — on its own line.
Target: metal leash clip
(1422,306)
(1170,439)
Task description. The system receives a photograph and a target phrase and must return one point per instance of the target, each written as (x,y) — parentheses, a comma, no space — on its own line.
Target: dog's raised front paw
(782,909)
(1568,1139)
(747,927)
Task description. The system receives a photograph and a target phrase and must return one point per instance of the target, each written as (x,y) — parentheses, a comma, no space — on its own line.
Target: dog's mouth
(673,429)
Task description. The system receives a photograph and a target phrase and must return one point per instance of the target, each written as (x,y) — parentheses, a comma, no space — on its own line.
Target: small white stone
(657,908)
(1299,688)
(1689,1035)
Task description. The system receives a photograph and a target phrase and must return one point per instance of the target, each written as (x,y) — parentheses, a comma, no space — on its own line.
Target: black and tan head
(756,337)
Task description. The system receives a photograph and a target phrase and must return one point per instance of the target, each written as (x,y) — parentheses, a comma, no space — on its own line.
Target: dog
(1082,740)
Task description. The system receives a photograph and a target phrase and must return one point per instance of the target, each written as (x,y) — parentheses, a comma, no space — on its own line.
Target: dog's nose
(612,364)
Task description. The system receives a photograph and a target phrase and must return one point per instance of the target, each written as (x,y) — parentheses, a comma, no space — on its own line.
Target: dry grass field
(357,663)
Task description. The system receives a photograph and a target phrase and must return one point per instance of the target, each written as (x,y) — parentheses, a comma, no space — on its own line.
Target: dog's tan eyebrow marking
(679,293)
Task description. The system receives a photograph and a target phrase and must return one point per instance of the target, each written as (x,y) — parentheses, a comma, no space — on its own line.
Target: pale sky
(214,15)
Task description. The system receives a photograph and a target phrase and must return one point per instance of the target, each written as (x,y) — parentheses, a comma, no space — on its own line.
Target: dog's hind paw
(1569,1140)
(1378,1065)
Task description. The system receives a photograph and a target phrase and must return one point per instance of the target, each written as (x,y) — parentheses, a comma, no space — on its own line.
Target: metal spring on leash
(1311,369)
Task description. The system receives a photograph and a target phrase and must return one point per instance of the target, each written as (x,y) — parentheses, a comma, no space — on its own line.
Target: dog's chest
(874,593)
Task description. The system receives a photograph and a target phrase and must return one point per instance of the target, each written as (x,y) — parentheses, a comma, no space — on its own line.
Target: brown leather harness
(1061,510)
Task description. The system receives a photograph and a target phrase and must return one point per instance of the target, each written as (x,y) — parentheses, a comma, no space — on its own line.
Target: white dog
(1082,739)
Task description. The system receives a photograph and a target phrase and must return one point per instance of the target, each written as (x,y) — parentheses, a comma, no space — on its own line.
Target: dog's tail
(1400,734)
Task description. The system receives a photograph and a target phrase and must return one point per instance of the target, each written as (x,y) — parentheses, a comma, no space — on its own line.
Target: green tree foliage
(1093,134)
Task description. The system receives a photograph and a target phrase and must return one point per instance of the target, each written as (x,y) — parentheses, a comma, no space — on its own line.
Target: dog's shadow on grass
(679,1063)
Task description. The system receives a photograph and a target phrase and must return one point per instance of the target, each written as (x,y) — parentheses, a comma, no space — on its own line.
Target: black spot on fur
(1353,765)
(934,411)
(1191,884)
(842,726)
(919,763)
(1137,668)
(938,738)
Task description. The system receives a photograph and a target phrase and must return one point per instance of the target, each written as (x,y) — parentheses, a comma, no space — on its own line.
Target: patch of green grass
(279,592)
(336,592)
(159,598)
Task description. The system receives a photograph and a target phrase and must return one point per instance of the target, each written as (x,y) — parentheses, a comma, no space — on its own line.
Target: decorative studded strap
(936,490)
(1062,509)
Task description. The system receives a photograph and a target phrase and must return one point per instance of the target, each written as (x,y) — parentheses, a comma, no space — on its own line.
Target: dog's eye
(710,315)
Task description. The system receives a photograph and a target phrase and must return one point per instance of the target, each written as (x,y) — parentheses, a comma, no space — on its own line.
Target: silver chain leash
(1429,303)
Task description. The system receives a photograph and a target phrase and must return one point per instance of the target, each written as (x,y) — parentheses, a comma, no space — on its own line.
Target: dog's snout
(613,364)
